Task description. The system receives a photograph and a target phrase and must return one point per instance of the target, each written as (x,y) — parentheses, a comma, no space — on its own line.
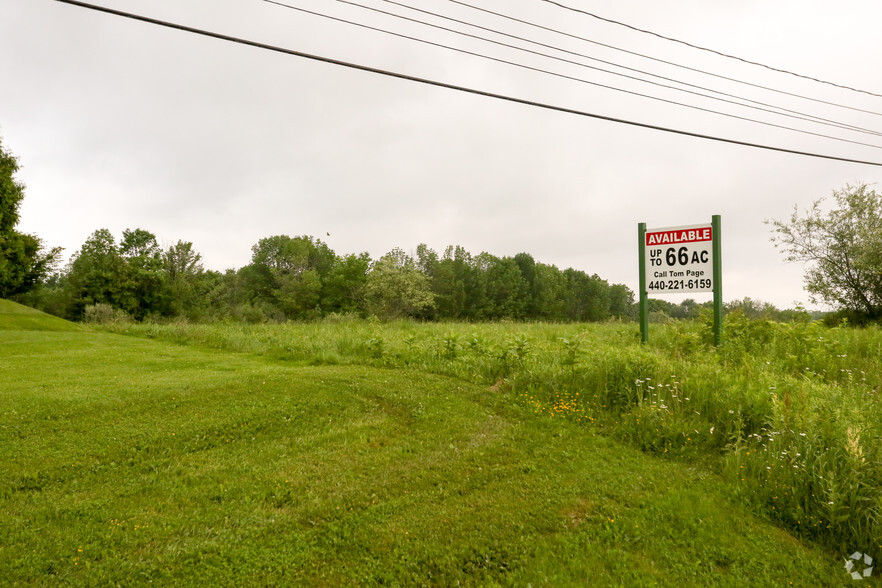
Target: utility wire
(671,63)
(571,78)
(778,110)
(439,84)
(775,69)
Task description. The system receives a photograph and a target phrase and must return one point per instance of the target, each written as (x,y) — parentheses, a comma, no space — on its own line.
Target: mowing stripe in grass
(128,460)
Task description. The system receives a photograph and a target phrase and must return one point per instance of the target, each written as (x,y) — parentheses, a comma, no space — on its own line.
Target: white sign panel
(679,259)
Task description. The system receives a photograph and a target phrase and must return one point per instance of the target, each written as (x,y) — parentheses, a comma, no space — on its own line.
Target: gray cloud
(122,124)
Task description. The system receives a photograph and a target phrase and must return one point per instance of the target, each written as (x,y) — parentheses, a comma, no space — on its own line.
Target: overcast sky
(122,124)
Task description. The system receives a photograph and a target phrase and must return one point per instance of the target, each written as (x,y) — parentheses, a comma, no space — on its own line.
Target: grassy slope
(127,460)
(17,317)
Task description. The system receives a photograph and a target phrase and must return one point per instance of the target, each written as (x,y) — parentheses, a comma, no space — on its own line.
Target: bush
(103,314)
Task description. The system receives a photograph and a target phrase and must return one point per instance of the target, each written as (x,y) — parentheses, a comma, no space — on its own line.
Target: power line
(568,77)
(775,69)
(671,63)
(778,110)
(439,84)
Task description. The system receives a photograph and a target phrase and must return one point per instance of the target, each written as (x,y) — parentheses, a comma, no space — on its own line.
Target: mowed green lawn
(127,461)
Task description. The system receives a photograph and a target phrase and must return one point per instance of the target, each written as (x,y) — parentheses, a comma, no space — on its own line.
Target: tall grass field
(347,452)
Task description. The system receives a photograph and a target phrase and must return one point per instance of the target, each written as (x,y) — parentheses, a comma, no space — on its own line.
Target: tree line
(302,278)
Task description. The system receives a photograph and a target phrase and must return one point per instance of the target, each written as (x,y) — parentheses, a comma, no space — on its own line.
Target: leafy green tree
(51,297)
(750,308)
(224,294)
(11,192)
(146,279)
(129,276)
(588,296)
(284,254)
(24,263)
(396,288)
(187,287)
(140,245)
(842,247)
(455,284)
(182,262)
(549,293)
(97,274)
(343,289)
(429,265)
(621,301)
(427,260)
(298,295)
(507,293)
(451,278)
(255,283)
(288,274)
(527,266)
(658,307)
(687,309)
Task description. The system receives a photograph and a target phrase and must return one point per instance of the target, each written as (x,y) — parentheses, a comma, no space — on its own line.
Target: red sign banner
(675,236)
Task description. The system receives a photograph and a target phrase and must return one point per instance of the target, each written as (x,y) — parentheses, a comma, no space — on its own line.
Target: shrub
(104,314)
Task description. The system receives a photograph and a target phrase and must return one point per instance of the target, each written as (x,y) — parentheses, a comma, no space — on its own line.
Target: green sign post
(644,297)
(675,260)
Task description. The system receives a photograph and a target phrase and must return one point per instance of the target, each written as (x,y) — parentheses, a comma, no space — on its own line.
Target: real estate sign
(679,259)
(676,260)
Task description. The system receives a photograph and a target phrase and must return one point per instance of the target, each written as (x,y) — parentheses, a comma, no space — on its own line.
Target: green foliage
(104,314)
(24,262)
(293,255)
(301,278)
(453,283)
(11,192)
(147,282)
(506,289)
(97,274)
(286,274)
(395,288)
(140,246)
(297,295)
(843,248)
(189,285)
(129,276)
(343,289)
